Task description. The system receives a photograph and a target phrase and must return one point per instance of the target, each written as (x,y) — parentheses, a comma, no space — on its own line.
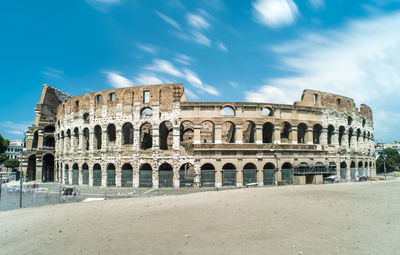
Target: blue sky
(255,50)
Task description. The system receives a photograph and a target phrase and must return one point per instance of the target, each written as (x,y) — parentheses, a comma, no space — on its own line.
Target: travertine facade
(151,136)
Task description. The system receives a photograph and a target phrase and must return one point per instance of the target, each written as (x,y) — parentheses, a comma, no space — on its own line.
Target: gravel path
(348,218)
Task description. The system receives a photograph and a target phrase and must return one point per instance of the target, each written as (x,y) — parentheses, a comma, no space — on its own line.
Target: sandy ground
(348,218)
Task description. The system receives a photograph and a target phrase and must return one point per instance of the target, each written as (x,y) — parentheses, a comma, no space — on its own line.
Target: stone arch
(343,170)
(146,112)
(342,130)
(249,173)
(66,172)
(207,171)
(187,135)
(145,176)
(268,132)
(269,165)
(350,135)
(228,174)
(111,175)
(331,130)
(249,132)
(286,133)
(49,129)
(111,133)
(332,168)
(97,137)
(146,136)
(31,169)
(85,174)
(317,130)
(228,110)
(228,132)
(49,142)
(166,135)
(48,168)
(301,133)
(267,111)
(86,138)
(165,176)
(358,134)
(126,175)
(86,118)
(287,173)
(76,137)
(36,138)
(97,175)
(186,175)
(207,132)
(75,174)
(127,133)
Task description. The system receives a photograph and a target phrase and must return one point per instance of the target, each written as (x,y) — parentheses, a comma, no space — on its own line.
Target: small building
(14,149)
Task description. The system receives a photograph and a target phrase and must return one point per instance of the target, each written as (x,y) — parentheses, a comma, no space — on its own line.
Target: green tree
(392,160)
(11,163)
(3,144)
(3,157)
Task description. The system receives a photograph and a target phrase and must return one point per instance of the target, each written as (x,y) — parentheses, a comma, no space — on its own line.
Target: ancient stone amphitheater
(151,136)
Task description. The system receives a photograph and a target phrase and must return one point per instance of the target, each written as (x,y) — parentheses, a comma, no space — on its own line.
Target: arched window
(111,133)
(331,129)
(207,175)
(350,136)
(227,110)
(146,136)
(76,137)
(49,129)
(86,119)
(286,132)
(187,135)
(267,111)
(228,132)
(147,112)
(186,175)
(207,134)
(166,135)
(97,137)
(36,137)
(229,175)
(301,133)
(249,132)
(358,134)
(341,134)
(86,138)
(317,130)
(127,133)
(349,120)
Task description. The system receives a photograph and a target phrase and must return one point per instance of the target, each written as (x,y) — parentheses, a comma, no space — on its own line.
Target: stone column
(218,178)
(104,175)
(196,138)
(259,134)
(197,175)
(309,137)
(40,138)
(104,139)
(238,134)
(176,138)
(277,135)
(323,138)
(218,134)
(293,135)
(176,181)
(239,174)
(91,140)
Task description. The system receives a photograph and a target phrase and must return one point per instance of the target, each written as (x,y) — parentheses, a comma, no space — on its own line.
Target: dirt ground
(348,218)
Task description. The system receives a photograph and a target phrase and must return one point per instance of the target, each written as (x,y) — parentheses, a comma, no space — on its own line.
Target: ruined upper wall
(315,98)
(46,109)
(164,94)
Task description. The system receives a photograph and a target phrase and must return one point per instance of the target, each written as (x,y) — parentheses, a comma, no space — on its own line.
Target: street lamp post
(21,175)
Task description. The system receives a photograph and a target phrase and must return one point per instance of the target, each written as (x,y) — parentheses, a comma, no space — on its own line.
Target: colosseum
(152,136)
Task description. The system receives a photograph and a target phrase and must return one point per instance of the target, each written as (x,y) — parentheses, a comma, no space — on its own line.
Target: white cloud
(361,61)
(15,128)
(118,81)
(234,84)
(201,38)
(197,21)
(190,94)
(195,81)
(183,59)
(52,72)
(147,48)
(317,4)
(275,13)
(164,66)
(147,79)
(169,20)
(221,46)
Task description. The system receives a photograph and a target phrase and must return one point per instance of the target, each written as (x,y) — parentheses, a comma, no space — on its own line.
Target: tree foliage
(11,163)
(3,157)
(3,144)
(392,160)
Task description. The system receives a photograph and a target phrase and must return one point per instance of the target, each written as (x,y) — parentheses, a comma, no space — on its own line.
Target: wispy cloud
(53,72)
(350,61)
(197,21)
(147,79)
(169,20)
(190,94)
(200,38)
(103,5)
(183,59)
(233,84)
(15,128)
(117,81)
(164,66)
(275,13)
(147,48)
(317,4)
(221,46)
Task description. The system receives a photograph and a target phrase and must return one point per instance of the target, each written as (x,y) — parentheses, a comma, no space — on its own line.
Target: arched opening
(229,175)
(350,136)
(146,136)
(110,175)
(332,168)
(186,175)
(249,132)
(267,111)
(228,111)
(207,175)
(187,135)
(228,132)
(353,170)
(85,174)
(97,176)
(86,119)
(269,174)
(268,132)
(75,174)
(48,168)
(86,138)
(358,135)
(301,133)
(146,112)
(48,142)
(360,169)
(249,174)
(35,139)
(286,132)
(343,170)
(349,120)
(341,134)
(127,175)
(165,176)
(317,130)
(331,130)
(207,134)
(68,139)
(127,133)
(111,134)
(97,137)
(303,169)
(66,171)
(166,135)
(287,173)
(31,169)
(364,136)
(145,176)
(76,137)
(49,129)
